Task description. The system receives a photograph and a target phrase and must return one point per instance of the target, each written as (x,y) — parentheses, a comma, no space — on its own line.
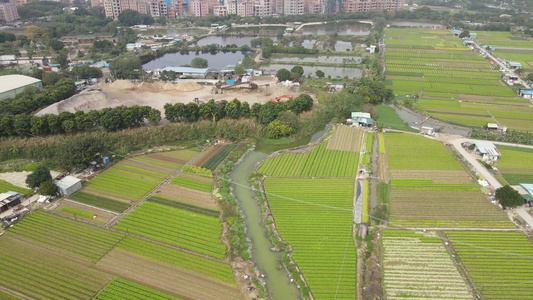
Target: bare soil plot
(101,216)
(438,176)
(200,161)
(167,278)
(109,195)
(188,196)
(345,138)
(198,178)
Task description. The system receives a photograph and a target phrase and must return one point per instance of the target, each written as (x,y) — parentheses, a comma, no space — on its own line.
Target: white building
(68,185)
(487,150)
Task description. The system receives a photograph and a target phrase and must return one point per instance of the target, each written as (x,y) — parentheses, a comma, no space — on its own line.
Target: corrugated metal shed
(488,148)
(68,185)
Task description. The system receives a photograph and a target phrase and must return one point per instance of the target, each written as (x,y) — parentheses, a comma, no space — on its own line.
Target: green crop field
(381,144)
(65,235)
(416,265)
(193,184)
(315,217)
(99,201)
(388,117)
(121,289)
(516,164)
(319,162)
(37,274)
(78,212)
(503,39)
(176,227)
(499,263)
(172,202)
(6,187)
(435,64)
(428,188)
(214,161)
(412,152)
(202,266)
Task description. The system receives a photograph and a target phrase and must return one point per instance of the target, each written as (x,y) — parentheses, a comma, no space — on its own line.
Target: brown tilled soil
(345,138)
(190,196)
(141,165)
(168,278)
(207,155)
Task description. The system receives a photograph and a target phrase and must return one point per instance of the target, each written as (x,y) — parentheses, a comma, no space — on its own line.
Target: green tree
(529,77)
(39,175)
(320,74)
(232,109)
(239,70)
(244,111)
(168,75)
(48,188)
(56,45)
(297,72)
(199,62)
(248,62)
(126,67)
(277,129)
(62,58)
(154,116)
(191,112)
(130,17)
(283,74)
(464,34)
(508,197)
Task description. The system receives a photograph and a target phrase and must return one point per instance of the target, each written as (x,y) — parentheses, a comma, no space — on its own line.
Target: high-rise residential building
(8,12)
(220,11)
(366,5)
(293,7)
(112,8)
(313,7)
(199,8)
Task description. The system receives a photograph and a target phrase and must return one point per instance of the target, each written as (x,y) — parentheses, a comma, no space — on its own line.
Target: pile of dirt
(188,86)
(122,85)
(85,101)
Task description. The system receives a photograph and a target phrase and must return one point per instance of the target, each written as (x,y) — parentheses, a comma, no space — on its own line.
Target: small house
(9,200)
(427,130)
(456,32)
(526,93)
(68,185)
(362,119)
(514,64)
(487,150)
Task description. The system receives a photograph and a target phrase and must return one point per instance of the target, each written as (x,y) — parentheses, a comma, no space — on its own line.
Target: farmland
(416,265)
(315,216)
(320,161)
(67,236)
(98,216)
(499,263)
(176,227)
(39,275)
(388,118)
(430,189)
(99,201)
(435,65)
(346,139)
(194,182)
(516,164)
(6,186)
(121,289)
(219,156)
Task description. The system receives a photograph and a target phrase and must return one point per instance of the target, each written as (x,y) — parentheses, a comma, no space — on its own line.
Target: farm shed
(68,185)
(487,150)
(362,118)
(9,200)
(11,85)
(492,126)
(514,64)
(187,71)
(473,35)
(526,93)
(427,130)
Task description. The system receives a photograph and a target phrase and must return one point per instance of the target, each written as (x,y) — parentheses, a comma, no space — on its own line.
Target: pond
(334,72)
(341,46)
(227,40)
(217,60)
(302,58)
(340,28)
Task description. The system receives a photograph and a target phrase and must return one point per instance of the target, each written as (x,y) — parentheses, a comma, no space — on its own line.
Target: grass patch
(383,188)
(78,212)
(388,118)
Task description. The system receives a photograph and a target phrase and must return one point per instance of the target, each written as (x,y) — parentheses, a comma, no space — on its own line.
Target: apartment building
(8,12)
(366,5)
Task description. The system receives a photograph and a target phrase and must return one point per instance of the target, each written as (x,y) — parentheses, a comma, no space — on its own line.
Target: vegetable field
(428,188)
(346,138)
(78,212)
(121,289)
(40,275)
(176,227)
(217,271)
(6,186)
(417,265)
(194,182)
(516,164)
(388,118)
(318,162)
(67,236)
(315,217)
(99,201)
(499,263)
(216,159)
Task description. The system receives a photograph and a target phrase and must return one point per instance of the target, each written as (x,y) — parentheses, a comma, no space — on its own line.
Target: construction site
(156,94)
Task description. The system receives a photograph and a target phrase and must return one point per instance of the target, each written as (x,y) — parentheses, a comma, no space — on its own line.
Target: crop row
(99,201)
(6,187)
(121,289)
(460,80)
(417,265)
(78,212)
(315,216)
(218,271)
(39,275)
(129,185)
(176,227)
(214,161)
(381,144)
(142,170)
(319,162)
(65,235)
(167,201)
(189,183)
(499,263)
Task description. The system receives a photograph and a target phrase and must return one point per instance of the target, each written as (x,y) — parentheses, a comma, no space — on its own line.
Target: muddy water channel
(278,285)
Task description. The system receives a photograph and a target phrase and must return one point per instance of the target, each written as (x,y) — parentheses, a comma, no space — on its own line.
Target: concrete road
(472,159)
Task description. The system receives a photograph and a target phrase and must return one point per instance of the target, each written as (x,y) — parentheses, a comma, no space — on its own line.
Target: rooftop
(526,92)
(485,147)
(528,187)
(67,182)
(186,70)
(9,82)
(361,115)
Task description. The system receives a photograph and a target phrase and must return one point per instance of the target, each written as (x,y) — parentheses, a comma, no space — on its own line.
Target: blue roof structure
(526,92)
